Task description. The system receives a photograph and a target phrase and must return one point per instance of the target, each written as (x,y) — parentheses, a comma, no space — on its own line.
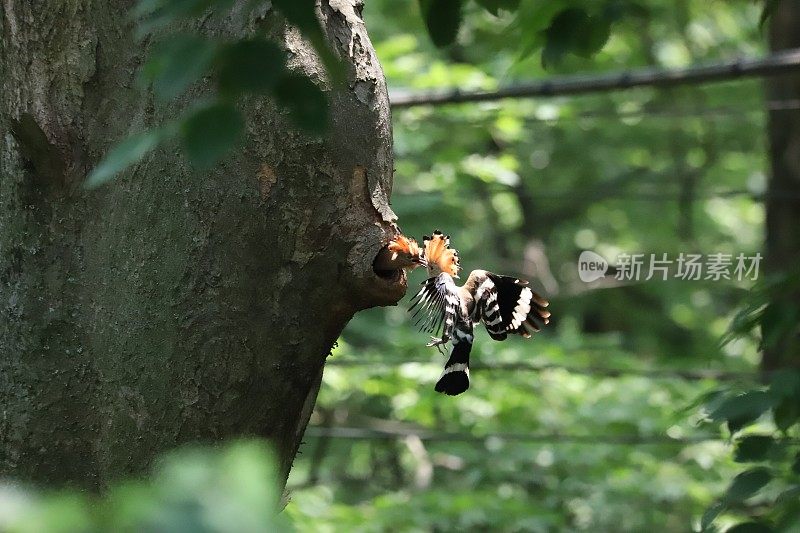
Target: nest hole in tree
(385,267)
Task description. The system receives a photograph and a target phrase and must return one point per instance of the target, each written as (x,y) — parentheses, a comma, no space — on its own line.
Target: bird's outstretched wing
(437,303)
(508,306)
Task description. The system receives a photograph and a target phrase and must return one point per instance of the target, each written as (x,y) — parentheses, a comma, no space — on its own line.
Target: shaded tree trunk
(783,203)
(173,305)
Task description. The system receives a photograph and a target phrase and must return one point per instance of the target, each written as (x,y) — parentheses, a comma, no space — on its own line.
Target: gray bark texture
(783,204)
(173,305)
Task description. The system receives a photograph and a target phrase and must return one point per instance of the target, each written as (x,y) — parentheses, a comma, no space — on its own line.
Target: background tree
(783,208)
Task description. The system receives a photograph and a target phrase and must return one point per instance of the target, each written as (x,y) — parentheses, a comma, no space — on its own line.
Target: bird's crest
(439,255)
(402,245)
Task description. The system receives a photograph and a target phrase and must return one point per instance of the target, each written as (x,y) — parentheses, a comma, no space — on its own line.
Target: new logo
(591,266)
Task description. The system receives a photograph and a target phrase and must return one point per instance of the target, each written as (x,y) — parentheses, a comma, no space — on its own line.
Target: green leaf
(494,6)
(750,527)
(711,514)
(307,104)
(123,155)
(767,11)
(786,413)
(753,448)
(709,400)
(155,14)
(300,13)
(177,62)
(792,494)
(253,66)
(166,7)
(575,31)
(778,321)
(530,22)
(442,18)
(744,408)
(210,133)
(596,37)
(747,484)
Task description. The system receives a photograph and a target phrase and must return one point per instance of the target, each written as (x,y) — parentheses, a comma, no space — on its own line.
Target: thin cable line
(650,113)
(664,196)
(661,196)
(688,375)
(360,433)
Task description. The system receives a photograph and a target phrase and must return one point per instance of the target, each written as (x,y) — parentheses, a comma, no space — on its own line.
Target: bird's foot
(436,341)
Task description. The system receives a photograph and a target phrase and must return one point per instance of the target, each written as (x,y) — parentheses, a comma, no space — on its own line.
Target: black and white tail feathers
(455,376)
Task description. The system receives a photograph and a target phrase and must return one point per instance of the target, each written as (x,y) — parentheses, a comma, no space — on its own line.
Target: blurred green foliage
(232,489)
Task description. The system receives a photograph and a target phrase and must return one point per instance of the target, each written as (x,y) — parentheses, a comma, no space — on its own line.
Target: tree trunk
(173,305)
(783,203)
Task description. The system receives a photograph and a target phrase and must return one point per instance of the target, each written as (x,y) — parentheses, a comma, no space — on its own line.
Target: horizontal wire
(360,433)
(661,196)
(687,375)
(783,62)
(674,112)
(650,112)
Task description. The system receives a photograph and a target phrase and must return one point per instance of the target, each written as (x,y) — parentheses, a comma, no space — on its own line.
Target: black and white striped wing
(507,305)
(437,303)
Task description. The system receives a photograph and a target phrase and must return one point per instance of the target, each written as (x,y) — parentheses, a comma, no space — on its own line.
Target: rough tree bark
(783,203)
(173,305)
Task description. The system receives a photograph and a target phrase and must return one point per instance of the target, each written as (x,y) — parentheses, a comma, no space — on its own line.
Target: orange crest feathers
(439,254)
(403,246)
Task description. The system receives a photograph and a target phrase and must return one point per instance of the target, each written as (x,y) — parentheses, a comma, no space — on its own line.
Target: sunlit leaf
(125,154)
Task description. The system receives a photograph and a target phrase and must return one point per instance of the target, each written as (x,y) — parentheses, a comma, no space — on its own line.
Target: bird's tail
(455,376)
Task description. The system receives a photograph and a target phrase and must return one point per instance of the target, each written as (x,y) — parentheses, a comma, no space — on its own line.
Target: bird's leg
(436,341)
(439,343)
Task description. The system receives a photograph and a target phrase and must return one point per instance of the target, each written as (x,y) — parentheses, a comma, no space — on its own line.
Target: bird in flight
(505,305)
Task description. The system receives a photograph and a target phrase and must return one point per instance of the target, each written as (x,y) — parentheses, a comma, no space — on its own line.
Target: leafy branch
(251,65)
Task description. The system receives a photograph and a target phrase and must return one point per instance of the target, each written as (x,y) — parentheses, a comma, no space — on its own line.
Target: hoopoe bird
(505,305)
